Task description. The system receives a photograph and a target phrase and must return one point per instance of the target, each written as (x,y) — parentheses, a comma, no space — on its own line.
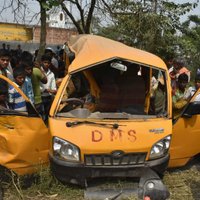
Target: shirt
(178,102)
(28,89)
(51,83)
(36,78)
(16,101)
(190,92)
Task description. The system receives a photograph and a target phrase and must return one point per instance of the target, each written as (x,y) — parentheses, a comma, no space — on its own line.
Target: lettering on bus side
(97,136)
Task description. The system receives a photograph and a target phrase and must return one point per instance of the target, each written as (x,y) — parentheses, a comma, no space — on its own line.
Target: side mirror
(186,115)
(193,108)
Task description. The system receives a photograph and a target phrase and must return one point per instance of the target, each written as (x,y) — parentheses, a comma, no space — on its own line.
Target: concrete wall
(55,37)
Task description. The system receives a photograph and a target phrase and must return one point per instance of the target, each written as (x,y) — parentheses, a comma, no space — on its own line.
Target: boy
(16,101)
(28,88)
(5,68)
(49,89)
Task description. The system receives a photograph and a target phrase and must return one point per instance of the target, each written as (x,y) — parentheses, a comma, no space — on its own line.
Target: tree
(45,5)
(189,42)
(147,24)
(84,11)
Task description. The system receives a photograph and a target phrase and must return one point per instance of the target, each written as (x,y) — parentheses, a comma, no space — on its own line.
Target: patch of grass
(41,186)
(182,183)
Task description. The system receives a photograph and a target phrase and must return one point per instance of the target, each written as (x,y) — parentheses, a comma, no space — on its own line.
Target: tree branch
(89,17)
(71,17)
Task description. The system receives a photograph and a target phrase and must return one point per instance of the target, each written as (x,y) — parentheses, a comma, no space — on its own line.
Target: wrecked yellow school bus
(104,121)
(111,117)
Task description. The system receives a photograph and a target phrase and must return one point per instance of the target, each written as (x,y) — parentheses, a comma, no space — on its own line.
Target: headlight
(160,148)
(65,150)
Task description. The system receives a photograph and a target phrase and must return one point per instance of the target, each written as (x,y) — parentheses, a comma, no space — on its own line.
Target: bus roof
(92,49)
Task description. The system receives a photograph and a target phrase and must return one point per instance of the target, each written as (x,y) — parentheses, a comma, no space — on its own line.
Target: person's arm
(52,89)
(30,91)
(43,77)
(179,104)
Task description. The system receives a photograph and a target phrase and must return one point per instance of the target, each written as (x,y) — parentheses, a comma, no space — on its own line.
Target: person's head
(178,63)
(28,68)
(182,81)
(4,58)
(18,46)
(3,91)
(49,51)
(26,60)
(46,61)
(26,57)
(19,75)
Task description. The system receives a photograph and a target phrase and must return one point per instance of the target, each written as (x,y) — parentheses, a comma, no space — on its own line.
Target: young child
(49,89)
(28,88)
(16,101)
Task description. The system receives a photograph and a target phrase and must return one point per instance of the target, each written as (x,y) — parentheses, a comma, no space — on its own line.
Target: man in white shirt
(49,89)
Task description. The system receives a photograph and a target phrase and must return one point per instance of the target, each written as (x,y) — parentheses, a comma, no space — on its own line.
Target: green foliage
(48,4)
(189,42)
(149,25)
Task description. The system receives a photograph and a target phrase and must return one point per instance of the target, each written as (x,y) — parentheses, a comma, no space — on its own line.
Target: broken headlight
(160,148)
(65,150)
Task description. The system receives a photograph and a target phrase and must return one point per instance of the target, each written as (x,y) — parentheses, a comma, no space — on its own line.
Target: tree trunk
(42,30)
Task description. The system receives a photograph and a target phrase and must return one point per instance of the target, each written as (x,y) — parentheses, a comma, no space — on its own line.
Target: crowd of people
(181,86)
(180,79)
(37,80)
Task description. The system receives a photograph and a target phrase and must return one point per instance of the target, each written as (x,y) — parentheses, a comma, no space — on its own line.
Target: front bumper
(77,173)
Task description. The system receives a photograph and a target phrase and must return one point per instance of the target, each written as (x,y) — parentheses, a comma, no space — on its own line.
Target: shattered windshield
(115,90)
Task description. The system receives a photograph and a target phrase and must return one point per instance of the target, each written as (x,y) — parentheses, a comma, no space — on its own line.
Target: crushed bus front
(111,116)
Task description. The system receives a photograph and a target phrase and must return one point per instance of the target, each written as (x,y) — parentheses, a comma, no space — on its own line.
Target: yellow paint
(24,141)
(185,139)
(15,32)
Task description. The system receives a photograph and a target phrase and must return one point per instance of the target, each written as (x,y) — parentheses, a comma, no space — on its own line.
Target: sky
(33,9)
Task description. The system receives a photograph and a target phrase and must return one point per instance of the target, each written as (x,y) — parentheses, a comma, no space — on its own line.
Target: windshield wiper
(115,125)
